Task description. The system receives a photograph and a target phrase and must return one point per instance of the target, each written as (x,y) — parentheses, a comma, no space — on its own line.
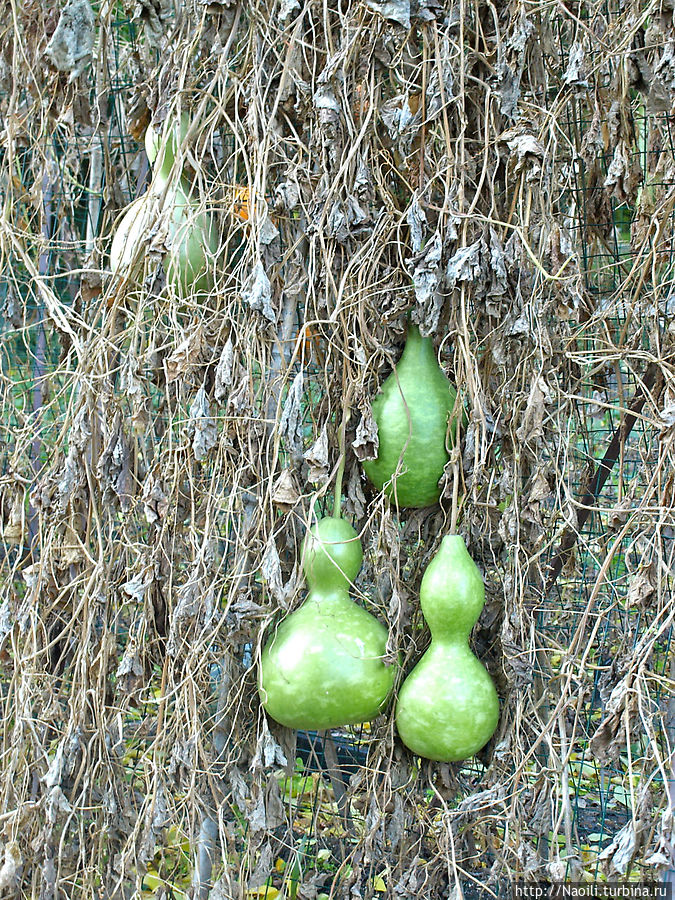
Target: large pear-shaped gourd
(447,707)
(323,666)
(412,413)
(192,238)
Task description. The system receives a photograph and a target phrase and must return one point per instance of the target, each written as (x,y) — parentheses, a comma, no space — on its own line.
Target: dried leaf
(256,814)
(366,442)
(290,423)
(257,292)
(130,667)
(284,491)
(511,63)
(355,501)
(622,849)
(604,744)
(264,865)
(268,232)
(6,620)
(202,426)
(11,866)
(642,586)
(623,174)
(137,586)
(317,459)
(71,45)
(396,10)
(287,8)
(270,570)
(268,751)
(224,372)
(155,501)
(531,427)
(186,355)
(417,220)
(425,269)
(154,13)
(575,74)
(195,604)
(114,466)
(465,265)
(529,154)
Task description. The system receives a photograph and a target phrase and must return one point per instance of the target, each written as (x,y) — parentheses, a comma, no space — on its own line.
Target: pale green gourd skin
(322,667)
(447,707)
(193,241)
(412,414)
(192,237)
(161,148)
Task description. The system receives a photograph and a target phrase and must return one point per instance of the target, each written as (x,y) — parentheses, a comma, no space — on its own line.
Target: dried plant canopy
(503,176)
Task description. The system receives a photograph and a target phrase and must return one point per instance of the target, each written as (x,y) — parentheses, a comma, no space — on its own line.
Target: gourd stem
(337,503)
(455,495)
(342,440)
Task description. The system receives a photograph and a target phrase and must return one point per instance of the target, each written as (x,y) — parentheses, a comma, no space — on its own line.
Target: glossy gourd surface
(192,237)
(322,667)
(412,412)
(447,707)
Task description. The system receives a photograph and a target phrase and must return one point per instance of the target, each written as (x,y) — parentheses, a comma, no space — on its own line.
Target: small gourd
(412,412)
(323,666)
(447,707)
(192,237)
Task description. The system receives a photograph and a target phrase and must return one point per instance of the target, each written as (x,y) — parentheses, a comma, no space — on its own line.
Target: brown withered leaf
(186,355)
(366,442)
(285,493)
(155,501)
(317,459)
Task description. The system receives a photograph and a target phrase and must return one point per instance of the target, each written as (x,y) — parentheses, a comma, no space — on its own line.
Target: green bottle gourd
(447,707)
(192,235)
(412,412)
(322,667)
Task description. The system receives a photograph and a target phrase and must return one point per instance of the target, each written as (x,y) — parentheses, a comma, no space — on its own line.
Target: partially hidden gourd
(323,666)
(412,412)
(447,707)
(192,238)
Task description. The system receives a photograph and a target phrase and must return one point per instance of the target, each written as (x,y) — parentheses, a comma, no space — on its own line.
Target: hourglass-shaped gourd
(192,238)
(323,666)
(447,707)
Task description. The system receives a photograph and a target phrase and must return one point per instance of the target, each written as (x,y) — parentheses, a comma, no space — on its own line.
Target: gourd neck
(336,584)
(456,643)
(170,187)
(161,178)
(329,596)
(162,148)
(419,351)
(332,555)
